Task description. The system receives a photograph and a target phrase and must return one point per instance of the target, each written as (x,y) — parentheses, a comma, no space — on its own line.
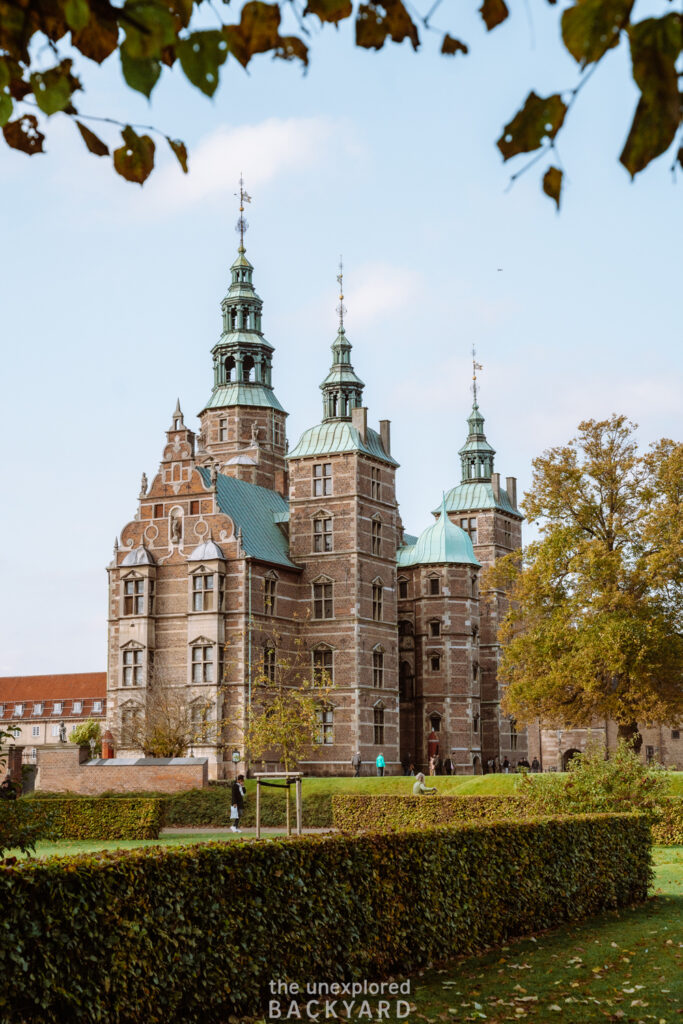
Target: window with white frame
(278,433)
(325,725)
(78,707)
(133,597)
(132,666)
(97,707)
(323,666)
(202,663)
(322,479)
(202,592)
(377,596)
(269,595)
(18,710)
(378,667)
(323,607)
(375,482)
(2,709)
(376,537)
(378,722)
(322,533)
(55,730)
(38,708)
(57,707)
(35,730)
(223,430)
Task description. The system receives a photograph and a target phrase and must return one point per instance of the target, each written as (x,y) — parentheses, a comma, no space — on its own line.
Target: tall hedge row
(195,934)
(98,818)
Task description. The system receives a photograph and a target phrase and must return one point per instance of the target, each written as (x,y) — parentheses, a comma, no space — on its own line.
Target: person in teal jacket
(380,764)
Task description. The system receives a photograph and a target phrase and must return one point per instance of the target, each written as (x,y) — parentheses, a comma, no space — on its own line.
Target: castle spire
(342,389)
(476,455)
(242,223)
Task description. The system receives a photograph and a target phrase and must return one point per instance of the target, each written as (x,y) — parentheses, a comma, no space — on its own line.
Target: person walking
(419,788)
(506,766)
(535,765)
(357,763)
(237,803)
(432,765)
(380,764)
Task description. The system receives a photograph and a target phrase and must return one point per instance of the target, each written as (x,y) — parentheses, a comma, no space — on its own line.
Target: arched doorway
(568,756)
(476,765)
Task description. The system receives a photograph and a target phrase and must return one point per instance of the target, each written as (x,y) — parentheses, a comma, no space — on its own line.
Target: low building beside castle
(240,545)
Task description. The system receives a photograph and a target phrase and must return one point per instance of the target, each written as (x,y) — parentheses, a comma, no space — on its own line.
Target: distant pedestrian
(419,788)
(506,767)
(490,766)
(237,803)
(405,764)
(448,766)
(535,765)
(432,765)
(411,769)
(357,763)
(380,763)
(437,764)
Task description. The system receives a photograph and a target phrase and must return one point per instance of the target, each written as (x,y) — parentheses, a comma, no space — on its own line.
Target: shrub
(667,827)
(211,808)
(86,731)
(393,813)
(97,817)
(20,828)
(196,933)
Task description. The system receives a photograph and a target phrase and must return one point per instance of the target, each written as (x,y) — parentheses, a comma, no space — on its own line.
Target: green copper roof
(339,436)
(476,455)
(243,394)
(443,542)
(470,497)
(254,510)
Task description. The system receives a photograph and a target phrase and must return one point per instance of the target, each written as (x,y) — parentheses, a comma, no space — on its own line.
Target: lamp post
(236,758)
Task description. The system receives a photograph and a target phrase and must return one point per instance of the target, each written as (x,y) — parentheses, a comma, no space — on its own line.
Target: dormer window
(18,710)
(38,708)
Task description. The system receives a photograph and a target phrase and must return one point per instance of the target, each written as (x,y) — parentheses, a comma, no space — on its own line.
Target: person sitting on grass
(419,788)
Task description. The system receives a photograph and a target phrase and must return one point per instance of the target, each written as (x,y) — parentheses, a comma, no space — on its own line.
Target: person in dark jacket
(237,802)
(357,763)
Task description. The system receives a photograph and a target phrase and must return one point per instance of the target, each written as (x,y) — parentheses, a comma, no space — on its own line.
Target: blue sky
(110,293)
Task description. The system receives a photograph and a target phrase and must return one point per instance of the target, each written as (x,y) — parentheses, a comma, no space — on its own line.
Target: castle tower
(243,423)
(343,531)
(488,513)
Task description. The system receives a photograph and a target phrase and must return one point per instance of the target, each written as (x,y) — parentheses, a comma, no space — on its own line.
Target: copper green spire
(476,455)
(342,389)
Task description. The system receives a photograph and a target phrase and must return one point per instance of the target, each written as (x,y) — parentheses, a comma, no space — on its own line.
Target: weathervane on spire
(242,222)
(475,366)
(341,308)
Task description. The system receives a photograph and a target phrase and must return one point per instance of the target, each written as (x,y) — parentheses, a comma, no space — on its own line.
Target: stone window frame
(269,662)
(376,483)
(435,662)
(513,732)
(402,583)
(322,650)
(406,628)
(35,731)
(199,595)
(476,720)
(434,626)
(376,535)
(378,653)
(321,483)
(270,581)
(133,602)
(435,719)
(320,597)
(223,429)
(325,716)
(322,528)
(278,432)
(132,665)
(378,709)
(203,668)
(377,599)
(434,584)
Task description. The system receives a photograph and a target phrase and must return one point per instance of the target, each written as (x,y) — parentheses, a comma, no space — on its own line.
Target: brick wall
(66,769)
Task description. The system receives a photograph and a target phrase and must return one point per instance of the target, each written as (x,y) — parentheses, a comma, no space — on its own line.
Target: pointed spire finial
(475,366)
(242,223)
(341,308)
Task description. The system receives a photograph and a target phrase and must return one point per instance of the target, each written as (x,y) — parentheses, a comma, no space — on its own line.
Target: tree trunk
(629,732)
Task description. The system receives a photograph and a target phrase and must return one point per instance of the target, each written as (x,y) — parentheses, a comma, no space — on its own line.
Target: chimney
(511,488)
(495,484)
(359,420)
(385,435)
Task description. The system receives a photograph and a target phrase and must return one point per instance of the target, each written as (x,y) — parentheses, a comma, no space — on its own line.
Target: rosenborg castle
(243,542)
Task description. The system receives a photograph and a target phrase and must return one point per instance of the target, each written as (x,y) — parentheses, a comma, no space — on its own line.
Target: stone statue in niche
(176,528)
(255,432)
(214,474)
(143,485)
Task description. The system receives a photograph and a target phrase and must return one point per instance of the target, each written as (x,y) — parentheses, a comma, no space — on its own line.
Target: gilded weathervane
(475,366)
(341,308)
(242,222)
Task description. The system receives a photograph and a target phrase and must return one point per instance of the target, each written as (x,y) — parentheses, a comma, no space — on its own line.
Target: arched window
(435,722)
(247,367)
(229,367)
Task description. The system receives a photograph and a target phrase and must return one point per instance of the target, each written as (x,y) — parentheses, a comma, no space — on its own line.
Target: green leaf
(77,14)
(591,27)
(53,89)
(92,141)
(493,12)
(150,27)
(655,46)
(453,46)
(6,107)
(330,10)
(200,57)
(23,134)
(140,73)
(180,150)
(537,120)
(377,20)
(552,184)
(134,160)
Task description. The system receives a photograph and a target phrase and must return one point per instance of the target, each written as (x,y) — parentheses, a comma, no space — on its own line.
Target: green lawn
(67,847)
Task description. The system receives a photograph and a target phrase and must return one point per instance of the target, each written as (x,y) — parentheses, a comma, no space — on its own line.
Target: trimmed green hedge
(211,808)
(195,934)
(98,818)
(667,830)
(393,813)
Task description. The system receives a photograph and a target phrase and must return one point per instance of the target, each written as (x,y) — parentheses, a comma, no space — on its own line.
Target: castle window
(377,594)
(247,367)
(323,668)
(223,429)
(269,664)
(507,534)
(378,668)
(435,722)
(202,592)
(402,588)
(322,601)
(322,533)
(150,597)
(133,597)
(470,527)
(278,433)
(322,479)
(435,628)
(513,734)
(475,587)
(202,663)
(221,606)
(475,671)
(434,584)
(158,511)
(199,715)
(132,669)
(194,508)
(435,662)
(325,725)
(269,585)
(375,482)
(376,537)
(378,717)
